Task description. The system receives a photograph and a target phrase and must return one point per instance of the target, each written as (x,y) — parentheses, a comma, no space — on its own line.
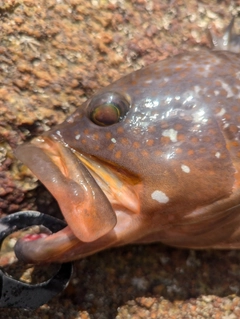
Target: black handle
(17,294)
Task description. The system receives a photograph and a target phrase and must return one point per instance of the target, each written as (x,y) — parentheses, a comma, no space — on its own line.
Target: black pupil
(106,114)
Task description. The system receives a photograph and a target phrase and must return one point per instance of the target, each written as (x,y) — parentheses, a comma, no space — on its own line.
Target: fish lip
(132,186)
(85,207)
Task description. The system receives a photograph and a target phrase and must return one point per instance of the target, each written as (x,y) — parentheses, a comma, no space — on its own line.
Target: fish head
(136,158)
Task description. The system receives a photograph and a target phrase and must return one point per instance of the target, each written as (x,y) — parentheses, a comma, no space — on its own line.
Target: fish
(153,157)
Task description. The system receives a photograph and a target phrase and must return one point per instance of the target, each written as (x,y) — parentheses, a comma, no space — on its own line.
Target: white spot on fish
(77,137)
(160,197)
(171,133)
(217,154)
(185,168)
(113,140)
(221,112)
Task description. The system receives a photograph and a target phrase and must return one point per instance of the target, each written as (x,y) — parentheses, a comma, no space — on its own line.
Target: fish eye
(108,108)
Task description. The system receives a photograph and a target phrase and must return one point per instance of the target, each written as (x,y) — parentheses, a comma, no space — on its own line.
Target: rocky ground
(54,55)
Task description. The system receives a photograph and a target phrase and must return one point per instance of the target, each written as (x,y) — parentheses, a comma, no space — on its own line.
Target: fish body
(154,156)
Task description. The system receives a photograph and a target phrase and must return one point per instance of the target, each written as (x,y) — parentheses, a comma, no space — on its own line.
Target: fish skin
(167,170)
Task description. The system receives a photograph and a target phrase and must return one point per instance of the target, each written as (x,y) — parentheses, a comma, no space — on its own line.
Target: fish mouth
(99,201)
(120,187)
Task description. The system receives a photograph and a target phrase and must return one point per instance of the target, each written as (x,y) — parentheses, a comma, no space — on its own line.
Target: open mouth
(100,203)
(120,188)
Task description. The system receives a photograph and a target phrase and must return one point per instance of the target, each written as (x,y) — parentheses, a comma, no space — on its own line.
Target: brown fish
(154,156)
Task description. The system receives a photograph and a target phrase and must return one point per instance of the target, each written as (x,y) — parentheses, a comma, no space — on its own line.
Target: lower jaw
(64,246)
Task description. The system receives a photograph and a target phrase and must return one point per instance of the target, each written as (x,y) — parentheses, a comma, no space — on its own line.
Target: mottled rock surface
(54,55)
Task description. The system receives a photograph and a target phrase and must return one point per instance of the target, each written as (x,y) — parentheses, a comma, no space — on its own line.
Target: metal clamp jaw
(18,294)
